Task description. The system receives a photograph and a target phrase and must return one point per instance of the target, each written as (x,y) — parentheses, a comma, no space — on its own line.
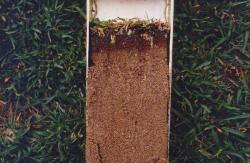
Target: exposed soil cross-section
(128,94)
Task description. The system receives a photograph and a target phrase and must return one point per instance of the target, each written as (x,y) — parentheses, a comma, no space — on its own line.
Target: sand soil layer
(127,100)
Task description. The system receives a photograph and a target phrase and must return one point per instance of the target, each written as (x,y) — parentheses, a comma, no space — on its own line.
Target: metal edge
(87,36)
(87,66)
(171,23)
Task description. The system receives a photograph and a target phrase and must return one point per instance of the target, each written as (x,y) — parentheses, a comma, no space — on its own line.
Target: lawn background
(42,81)
(211,97)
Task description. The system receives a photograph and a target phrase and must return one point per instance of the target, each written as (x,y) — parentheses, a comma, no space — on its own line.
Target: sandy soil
(127,102)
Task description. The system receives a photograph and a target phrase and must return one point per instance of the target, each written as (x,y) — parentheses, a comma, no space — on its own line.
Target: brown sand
(127,102)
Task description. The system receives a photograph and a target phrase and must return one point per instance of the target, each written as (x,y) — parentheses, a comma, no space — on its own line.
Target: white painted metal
(87,36)
(170,18)
(143,9)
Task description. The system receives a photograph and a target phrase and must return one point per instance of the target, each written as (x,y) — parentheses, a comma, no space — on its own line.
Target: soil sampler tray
(129,81)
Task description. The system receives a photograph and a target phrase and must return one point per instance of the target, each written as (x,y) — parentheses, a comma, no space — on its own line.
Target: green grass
(42,81)
(211,96)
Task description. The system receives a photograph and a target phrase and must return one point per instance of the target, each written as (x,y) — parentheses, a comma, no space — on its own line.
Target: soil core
(128,96)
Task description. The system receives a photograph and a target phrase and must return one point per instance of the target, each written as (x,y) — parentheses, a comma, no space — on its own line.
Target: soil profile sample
(128,92)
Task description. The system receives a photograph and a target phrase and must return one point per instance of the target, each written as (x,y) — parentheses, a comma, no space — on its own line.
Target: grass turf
(211,96)
(42,80)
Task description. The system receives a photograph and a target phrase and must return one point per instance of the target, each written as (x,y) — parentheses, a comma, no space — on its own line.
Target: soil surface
(127,101)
